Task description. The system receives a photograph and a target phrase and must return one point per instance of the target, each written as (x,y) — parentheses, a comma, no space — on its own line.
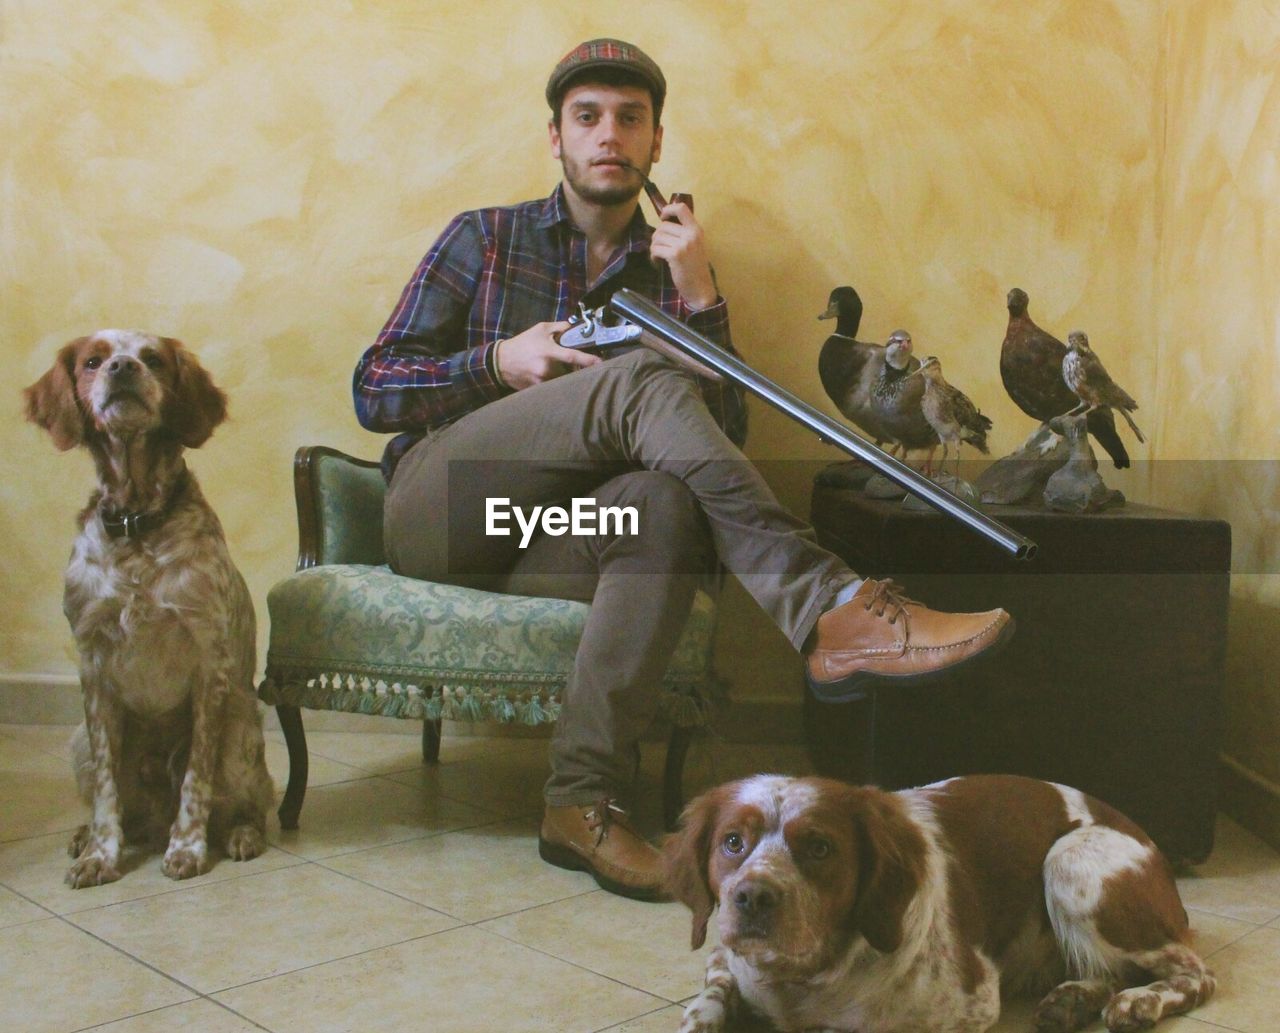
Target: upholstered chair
(347,634)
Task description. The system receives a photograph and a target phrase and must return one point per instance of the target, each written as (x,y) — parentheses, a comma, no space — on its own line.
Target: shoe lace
(889,595)
(602,816)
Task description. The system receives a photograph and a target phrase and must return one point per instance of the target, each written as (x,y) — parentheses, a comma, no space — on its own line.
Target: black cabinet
(1112,683)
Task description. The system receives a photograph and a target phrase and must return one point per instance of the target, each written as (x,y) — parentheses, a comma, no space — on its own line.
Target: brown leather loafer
(598,839)
(881,638)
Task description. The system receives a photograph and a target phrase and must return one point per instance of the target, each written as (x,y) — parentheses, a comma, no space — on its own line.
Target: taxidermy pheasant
(1031,368)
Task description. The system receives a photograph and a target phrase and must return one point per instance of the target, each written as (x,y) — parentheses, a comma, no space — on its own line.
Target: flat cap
(607,53)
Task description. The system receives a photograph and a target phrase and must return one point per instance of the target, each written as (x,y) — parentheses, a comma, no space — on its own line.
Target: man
(488,405)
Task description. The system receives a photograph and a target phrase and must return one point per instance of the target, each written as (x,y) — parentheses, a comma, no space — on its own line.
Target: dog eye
(733,843)
(152,360)
(93,362)
(819,849)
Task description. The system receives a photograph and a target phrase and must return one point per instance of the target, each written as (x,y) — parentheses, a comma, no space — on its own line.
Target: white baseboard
(49,699)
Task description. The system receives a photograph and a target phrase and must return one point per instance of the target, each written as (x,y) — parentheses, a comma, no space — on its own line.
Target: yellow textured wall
(260,180)
(1219,360)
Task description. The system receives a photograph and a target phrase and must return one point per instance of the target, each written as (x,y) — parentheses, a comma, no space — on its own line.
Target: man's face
(606,134)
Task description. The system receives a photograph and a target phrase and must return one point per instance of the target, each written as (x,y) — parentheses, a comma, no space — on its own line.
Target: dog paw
(185,862)
(244,843)
(93,870)
(1132,1010)
(703,1016)
(1070,1006)
(78,842)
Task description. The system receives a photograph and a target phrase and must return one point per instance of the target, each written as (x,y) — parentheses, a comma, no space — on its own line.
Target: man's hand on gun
(535,355)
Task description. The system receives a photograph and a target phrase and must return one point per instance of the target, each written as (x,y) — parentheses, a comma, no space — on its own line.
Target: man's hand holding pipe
(678,240)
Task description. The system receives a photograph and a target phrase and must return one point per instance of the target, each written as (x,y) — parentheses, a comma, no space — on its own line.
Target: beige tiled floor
(413,899)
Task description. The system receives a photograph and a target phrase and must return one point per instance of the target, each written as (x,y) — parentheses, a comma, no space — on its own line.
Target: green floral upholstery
(358,638)
(347,634)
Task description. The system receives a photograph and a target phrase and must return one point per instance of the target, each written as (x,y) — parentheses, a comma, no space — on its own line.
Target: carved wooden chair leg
(431,741)
(673,775)
(296,739)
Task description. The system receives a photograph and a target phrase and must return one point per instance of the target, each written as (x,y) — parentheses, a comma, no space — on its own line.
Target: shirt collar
(555,212)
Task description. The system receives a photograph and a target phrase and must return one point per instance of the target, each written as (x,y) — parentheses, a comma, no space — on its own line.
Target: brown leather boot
(881,638)
(598,839)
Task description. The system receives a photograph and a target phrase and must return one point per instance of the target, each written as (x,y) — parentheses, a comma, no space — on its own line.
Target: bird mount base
(1077,487)
(1055,466)
(879,486)
(854,475)
(850,473)
(1020,476)
(958,487)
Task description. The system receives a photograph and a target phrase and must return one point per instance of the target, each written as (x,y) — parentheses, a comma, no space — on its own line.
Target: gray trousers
(632,431)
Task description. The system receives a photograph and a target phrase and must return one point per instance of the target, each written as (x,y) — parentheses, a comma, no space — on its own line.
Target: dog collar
(135,525)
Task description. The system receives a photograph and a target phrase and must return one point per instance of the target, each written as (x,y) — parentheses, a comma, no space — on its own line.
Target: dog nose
(754,900)
(123,366)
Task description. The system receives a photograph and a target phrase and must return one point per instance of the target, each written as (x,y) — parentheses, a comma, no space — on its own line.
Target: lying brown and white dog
(845,908)
(172,747)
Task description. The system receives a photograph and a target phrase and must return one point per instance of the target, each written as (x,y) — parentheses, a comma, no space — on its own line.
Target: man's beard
(615,194)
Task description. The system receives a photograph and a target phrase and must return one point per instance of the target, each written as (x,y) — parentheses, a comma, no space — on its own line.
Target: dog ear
(195,406)
(685,858)
(51,401)
(890,867)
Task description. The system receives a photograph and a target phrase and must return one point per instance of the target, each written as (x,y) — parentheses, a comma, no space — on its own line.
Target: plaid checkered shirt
(492,274)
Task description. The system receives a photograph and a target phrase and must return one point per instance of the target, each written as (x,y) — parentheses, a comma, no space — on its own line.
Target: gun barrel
(653,320)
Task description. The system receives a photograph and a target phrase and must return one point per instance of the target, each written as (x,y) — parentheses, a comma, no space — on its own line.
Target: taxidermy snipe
(950,412)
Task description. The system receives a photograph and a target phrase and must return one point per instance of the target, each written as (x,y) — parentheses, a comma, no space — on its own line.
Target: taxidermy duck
(848,367)
(896,415)
(1084,373)
(950,412)
(1031,368)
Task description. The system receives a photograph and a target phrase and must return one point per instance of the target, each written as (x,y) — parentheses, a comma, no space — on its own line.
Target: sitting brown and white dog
(172,745)
(846,908)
